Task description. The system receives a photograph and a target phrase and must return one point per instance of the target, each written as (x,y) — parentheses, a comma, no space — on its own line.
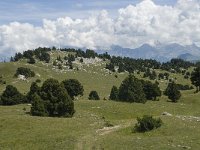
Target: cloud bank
(134,25)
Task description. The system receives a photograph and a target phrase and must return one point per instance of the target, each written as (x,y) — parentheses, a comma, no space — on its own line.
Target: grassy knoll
(86,130)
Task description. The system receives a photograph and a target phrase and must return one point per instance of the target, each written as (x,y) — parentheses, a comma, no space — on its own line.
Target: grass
(86,130)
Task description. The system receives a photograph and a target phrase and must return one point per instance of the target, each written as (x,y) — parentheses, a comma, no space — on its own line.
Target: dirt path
(88,141)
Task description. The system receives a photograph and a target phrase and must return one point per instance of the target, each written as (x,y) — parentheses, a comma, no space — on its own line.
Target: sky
(28,24)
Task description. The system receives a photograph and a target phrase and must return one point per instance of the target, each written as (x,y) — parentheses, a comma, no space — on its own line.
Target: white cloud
(135,25)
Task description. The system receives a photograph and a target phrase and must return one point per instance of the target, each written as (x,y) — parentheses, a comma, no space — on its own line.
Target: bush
(11,96)
(93,95)
(147,123)
(24,71)
(38,81)
(55,99)
(73,87)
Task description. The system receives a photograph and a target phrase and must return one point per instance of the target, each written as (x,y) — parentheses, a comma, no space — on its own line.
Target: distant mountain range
(159,52)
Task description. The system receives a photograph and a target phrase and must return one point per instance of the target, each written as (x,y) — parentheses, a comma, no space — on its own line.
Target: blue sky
(33,11)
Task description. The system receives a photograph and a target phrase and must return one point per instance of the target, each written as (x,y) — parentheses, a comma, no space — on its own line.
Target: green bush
(147,123)
(11,96)
(73,87)
(24,71)
(51,100)
(93,95)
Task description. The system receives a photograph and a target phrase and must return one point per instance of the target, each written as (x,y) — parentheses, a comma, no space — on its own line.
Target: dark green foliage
(73,87)
(175,64)
(147,123)
(105,56)
(70,66)
(131,90)
(54,63)
(93,95)
(56,99)
(172,92)
(11,96)
(195,78)
(114,93)
(34,89)
(28,54)
(81,60)
(90,54)
(24,71)
(184,87)
(44,57)
(31,60)
(111,67)
(151,90)
(38,107)
(38,81)
(60,66)
(71,58)
(18,56)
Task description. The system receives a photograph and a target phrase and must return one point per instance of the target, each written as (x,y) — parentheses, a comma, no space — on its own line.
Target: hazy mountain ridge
(159,52)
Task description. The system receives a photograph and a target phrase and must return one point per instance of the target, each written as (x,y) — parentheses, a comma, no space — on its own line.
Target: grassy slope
(19,130)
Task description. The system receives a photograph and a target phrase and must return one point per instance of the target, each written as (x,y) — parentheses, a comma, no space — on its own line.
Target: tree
(151,90)
(131,90)
(93,95)
(34,89)
(73,87)
(172,92)
(114,93)
(37,108)
(195,78)
(31,60)
(11,96)
(56,99)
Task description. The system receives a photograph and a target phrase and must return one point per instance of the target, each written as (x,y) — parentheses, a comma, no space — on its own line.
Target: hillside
(87,128)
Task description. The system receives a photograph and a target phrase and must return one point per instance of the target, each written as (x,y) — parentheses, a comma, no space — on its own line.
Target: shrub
(24,71)
(93,95)
(11,96)
(147,123)
(73,87)
(38,81)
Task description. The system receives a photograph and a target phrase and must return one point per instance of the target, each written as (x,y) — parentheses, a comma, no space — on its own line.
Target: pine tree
(195,78)
(11,96)
(38,108)
(93,95)
(131,90)
(172,92)
(114,93)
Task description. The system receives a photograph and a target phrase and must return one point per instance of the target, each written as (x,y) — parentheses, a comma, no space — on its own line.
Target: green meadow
(87,128)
